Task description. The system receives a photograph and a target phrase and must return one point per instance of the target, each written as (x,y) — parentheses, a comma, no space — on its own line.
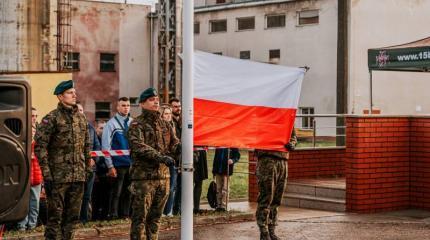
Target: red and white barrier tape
(110,153)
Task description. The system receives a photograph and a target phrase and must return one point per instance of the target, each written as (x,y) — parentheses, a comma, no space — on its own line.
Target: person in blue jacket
(224,160)
(114,138)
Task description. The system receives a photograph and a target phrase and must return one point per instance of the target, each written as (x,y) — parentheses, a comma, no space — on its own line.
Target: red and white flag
(244,104)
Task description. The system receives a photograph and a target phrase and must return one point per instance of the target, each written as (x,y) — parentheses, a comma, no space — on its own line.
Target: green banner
(400,59)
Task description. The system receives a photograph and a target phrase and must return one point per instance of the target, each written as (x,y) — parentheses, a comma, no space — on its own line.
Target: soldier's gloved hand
(47,184)
(289,146)
(167,160)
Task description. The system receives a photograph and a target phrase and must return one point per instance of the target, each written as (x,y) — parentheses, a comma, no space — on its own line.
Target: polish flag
(244,104)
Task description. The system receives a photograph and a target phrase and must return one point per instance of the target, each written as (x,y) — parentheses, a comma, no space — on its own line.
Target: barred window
(247,23)
(218,26)
(245,54)
(275,21)
(274,53)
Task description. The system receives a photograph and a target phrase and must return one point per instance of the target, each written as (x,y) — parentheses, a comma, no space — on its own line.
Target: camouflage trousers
(64,207)
(271,178)
(150,196)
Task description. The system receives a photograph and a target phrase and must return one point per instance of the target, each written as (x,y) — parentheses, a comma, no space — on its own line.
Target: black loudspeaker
(15,148)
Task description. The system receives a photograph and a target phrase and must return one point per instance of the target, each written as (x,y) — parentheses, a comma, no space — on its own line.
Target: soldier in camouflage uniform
(62,147)
(153,144)
(272,172)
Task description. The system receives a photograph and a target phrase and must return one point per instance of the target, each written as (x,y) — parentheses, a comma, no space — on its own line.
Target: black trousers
(197,193)
(120,197)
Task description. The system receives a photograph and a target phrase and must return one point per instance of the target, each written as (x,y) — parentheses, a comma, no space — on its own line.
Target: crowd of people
(109,189)
(69,184)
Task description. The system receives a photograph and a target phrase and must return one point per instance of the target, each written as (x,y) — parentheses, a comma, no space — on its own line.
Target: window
(275,21)
(196,28)
(274,55)
(72,61)
(245,55)
(218,53)
(102,110)
(218,26)
(247,23)
(308,17)
(107,62)
(220,1)
(307,122)
(134,101)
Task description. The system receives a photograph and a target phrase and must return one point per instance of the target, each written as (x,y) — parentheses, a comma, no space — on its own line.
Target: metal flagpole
(187,122)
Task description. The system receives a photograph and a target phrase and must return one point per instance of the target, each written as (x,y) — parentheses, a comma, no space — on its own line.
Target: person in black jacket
(200,174)
(224,160)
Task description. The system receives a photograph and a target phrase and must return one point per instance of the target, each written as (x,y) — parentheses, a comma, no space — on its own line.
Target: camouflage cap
(63,86)
(149,92)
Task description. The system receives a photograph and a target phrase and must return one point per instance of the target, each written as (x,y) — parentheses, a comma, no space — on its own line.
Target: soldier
(272,172)
(153,145)
(63,149)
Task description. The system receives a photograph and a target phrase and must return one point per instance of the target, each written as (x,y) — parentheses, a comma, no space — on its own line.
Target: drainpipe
(152,15)
(342,70)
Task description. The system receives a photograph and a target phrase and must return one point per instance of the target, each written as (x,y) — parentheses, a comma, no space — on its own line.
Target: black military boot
(264,236)
(272,233)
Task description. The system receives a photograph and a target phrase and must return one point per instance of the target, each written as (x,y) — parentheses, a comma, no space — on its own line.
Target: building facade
(110,56)
(374,24)
(28,36)
(291,33)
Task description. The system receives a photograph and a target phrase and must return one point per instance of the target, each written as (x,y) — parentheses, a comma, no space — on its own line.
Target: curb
(166,225)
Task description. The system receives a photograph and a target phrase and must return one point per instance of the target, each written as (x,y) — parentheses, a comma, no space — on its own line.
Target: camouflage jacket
(150,138)
(63,145)
(277,154)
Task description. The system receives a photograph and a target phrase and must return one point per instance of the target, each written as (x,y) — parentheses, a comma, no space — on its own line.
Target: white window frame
(309,121)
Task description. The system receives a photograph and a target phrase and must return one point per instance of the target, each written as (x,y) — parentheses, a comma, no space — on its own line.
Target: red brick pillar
(420,162)
(377,163)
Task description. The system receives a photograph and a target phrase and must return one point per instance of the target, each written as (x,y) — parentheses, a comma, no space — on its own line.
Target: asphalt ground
(303,224)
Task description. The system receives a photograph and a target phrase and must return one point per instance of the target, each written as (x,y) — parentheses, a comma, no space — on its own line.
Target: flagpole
(187,122)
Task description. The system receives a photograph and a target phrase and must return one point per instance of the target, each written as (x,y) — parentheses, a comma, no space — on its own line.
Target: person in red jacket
(30,221)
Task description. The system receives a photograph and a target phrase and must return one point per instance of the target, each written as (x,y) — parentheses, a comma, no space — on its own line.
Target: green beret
(63,86)
(149,92)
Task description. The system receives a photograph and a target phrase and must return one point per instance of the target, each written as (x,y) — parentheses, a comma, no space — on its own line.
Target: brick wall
(377,164)
(420,163)
(316,163)
(305,164)
(386,164)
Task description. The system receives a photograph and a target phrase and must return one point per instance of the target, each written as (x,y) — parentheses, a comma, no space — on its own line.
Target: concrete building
(110,55)
(29,47)
(383,23)
(292,33)
(332,38)
(28,36)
